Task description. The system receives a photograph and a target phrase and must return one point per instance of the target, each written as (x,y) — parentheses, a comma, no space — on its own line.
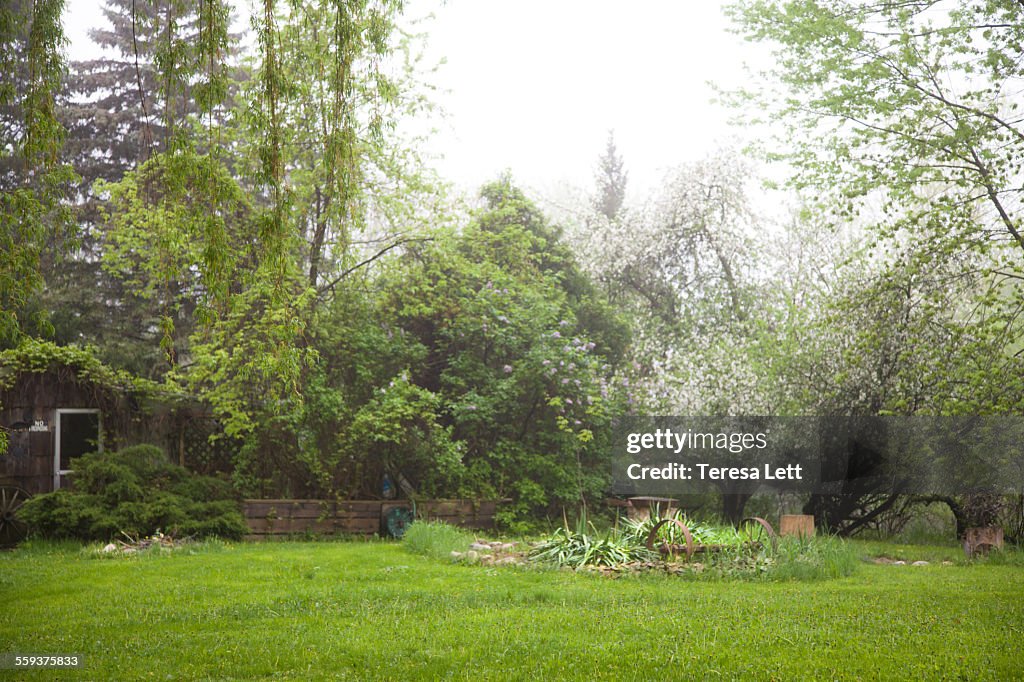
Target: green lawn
(374,611)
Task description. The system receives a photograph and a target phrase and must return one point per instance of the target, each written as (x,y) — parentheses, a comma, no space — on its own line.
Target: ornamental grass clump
(812,558)
(436,539)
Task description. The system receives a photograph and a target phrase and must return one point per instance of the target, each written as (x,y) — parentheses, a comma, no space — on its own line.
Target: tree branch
(348,271)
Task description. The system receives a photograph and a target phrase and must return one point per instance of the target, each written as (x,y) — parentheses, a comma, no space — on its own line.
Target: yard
(373,610)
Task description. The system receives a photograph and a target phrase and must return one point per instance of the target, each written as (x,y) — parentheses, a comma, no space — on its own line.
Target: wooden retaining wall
(269,518)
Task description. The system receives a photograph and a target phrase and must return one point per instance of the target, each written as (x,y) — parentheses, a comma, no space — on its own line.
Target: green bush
(135,491)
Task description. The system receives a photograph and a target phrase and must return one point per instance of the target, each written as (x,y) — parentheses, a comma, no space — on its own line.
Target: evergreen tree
(611,181)
(34,182)
(118,113)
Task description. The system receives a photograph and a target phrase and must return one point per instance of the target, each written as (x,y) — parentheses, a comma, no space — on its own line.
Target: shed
(58,403)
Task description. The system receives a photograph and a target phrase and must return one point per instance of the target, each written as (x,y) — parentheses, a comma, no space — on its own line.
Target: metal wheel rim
(12,529)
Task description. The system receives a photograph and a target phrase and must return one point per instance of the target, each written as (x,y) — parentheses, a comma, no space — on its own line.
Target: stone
(920,563)
(455,555)
(110,548)
(486,558)
(472,555)
(947,563)
(480,547)
(506,561)
(899,563)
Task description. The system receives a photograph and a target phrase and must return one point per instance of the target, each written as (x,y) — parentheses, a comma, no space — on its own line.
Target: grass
(437,540)
(373,610)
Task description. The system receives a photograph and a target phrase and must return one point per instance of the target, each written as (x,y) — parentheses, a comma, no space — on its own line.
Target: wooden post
(799,525)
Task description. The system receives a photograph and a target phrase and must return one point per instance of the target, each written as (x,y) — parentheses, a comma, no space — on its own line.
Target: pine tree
(611,181)
(117,113)
(115,107)
(34,184)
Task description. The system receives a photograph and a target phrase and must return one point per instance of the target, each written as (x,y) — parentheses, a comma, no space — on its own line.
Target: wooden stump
(799,525)
(982,540)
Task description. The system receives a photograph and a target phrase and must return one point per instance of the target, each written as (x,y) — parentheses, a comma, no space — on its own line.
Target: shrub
(135,491)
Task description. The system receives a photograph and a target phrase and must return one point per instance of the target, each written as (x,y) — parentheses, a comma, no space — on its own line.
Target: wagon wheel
(397,521)
(665,548)
(758,532)
(12,529)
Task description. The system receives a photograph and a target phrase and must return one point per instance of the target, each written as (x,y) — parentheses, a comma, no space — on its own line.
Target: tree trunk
(733,505)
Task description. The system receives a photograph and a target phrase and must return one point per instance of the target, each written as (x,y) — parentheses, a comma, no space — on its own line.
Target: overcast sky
(534,85)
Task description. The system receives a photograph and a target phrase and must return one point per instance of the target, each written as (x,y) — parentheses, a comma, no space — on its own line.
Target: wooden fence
(268,518)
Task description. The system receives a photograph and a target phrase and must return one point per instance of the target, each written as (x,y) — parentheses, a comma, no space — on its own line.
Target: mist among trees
(245,222)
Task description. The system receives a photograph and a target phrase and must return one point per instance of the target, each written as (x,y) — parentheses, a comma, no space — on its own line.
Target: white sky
(534,85)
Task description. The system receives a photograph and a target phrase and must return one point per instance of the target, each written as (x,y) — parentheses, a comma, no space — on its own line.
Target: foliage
(571,548)
(518,347)
(180,234)
(274,234)
(728,553)
(136,491)
(242,247)
(35,184)
(638,530)
(906,105)
(436,539)
(33,355)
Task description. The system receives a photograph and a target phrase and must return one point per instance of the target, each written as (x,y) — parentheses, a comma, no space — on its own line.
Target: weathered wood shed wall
(60,402)
(29,414)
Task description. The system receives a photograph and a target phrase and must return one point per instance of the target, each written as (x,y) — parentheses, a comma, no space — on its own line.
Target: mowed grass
(373,610)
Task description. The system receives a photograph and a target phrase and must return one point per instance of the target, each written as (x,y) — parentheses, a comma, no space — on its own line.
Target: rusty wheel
(669,549)
(12,529)
(758,532)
